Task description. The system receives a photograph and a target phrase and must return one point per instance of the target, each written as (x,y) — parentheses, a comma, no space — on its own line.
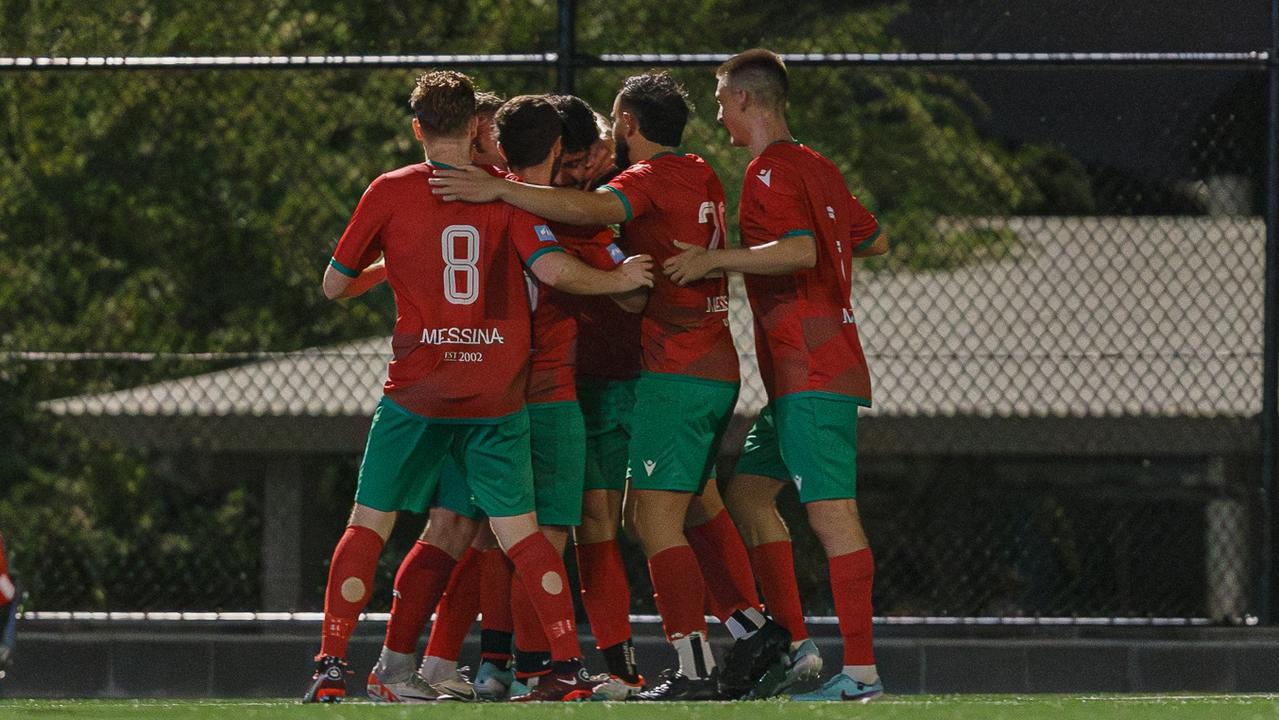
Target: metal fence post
(1270,351)
(567,46)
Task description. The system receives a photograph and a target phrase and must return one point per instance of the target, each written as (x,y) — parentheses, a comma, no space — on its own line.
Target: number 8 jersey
(462,329)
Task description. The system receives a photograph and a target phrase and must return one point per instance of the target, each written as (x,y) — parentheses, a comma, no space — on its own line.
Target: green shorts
(606,407)
(406,451)
(454,493)
(678,423)
(559,460)
(809,439)
(558,447)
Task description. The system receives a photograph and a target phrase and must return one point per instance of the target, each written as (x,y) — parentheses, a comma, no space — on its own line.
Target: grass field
(1013,707)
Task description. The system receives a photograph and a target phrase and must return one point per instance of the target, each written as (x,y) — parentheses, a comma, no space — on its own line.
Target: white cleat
(445,677)
(411,689)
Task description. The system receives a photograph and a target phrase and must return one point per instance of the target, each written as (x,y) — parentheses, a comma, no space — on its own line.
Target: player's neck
(645,150)
(448,151)
(766,130)
(536,175)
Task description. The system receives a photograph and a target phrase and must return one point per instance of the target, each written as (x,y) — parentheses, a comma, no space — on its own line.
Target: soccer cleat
(764,655)
(805,664)
(493,682)
(521,687)
(616,689)
(453,684)
(843,688)
(411,689)
(328,682)
(675,686)
(578,684)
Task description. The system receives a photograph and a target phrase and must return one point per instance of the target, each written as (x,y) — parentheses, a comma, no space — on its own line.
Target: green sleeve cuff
(797,233)
(630,213)
(333,262)
(540,252)
(868,241)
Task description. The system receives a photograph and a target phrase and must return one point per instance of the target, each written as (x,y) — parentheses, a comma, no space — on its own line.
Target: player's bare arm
(568,205)
(878,247)
(780,257)
(632,302)
(568,274)
(338,286)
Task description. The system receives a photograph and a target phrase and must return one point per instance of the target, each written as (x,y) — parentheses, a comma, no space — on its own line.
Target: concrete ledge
(59,659)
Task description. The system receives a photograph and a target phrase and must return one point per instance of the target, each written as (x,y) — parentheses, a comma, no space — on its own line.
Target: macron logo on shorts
(648,467)
(766,177)
(799,483)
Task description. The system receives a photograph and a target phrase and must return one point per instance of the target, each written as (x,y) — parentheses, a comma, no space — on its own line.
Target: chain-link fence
(1066,339)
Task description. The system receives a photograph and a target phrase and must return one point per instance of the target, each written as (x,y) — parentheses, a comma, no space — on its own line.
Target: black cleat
(673,686)
(750,660)
(328,682)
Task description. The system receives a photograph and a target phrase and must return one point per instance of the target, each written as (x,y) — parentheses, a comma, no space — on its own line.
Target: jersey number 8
(461,272)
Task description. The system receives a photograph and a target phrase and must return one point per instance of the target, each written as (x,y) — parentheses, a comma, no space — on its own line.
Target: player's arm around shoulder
(567,205)
(567,274)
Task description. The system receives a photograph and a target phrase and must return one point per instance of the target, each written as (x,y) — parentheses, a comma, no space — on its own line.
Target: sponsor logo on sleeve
(616,253)
(544,233)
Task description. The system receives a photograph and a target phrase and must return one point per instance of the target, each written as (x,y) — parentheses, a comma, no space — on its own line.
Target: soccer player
(608,362)
(484,147)
(455,386)
(687,391)
(801,229)
(8,612)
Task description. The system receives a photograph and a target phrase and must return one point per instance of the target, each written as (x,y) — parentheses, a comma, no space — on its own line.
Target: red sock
(606,594)
(457,609)
(353,565)
(679,591)
(529,635)
(495,592)
(7,589)
(418,586)
(725,565)
(546,586)
(774,565)
(851,577)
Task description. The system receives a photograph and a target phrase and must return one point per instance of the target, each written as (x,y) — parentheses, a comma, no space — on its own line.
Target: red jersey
(461,340)
(805,330)
(556,332)
(608,337)
(685,329)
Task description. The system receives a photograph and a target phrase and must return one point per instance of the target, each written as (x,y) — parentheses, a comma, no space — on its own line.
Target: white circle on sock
(352,589)
(552,583)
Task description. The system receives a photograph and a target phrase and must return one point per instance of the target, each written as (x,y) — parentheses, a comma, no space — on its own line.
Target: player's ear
(473,127)
(630,123)
(417,131)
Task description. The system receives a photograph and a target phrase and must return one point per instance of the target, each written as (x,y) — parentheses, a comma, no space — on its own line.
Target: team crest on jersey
(616,253)
(544,233)
(766,177)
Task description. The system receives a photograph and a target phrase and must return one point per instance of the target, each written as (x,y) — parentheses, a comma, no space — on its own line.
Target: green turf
(984,707)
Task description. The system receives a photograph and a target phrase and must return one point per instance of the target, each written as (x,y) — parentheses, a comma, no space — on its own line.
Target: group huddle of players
(518,436)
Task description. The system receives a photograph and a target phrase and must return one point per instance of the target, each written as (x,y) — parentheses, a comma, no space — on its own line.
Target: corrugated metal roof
(1090,316)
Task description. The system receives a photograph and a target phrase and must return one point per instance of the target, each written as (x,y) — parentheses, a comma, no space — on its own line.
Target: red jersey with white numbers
(462,332)
(673,197)
(608,337)
(805,329)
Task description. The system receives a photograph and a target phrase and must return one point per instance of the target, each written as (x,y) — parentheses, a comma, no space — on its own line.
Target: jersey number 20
(461,272)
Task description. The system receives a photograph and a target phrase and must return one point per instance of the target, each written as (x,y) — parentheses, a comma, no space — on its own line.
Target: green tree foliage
(192,211)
